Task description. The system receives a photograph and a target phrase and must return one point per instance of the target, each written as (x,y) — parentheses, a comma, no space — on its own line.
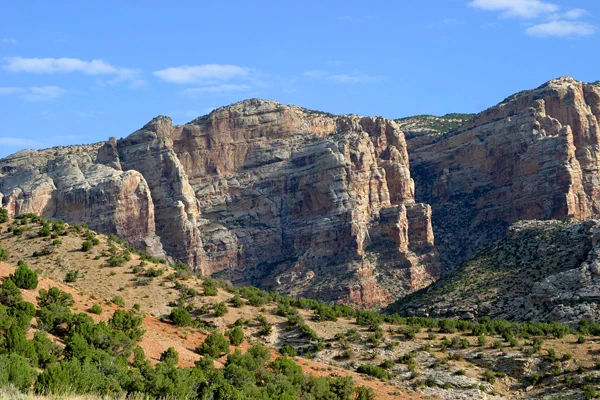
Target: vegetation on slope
(209,318)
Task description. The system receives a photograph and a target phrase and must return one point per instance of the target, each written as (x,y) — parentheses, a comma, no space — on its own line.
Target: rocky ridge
(534,156)
(256,192)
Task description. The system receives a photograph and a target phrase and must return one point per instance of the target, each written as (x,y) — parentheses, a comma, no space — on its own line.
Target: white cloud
(223,88)
(70,65)
(516,8)
(353,77)
(5,91)
(34,93)
(561,28)
(576,13)
(8,41)
(207,73)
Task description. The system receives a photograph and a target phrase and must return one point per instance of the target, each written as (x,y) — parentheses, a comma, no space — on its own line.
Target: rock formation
(286,198)
(541,271)
(536,155)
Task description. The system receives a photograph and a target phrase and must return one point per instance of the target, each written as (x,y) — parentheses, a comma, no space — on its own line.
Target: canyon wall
(534,156)
(282,197)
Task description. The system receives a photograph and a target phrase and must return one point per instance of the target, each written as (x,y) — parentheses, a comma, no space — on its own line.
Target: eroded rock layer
(536,155)
(257,192)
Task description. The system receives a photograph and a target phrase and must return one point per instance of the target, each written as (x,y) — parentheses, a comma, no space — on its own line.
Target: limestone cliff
(279,196)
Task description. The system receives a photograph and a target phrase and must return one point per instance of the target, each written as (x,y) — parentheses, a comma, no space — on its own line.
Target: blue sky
(79,71)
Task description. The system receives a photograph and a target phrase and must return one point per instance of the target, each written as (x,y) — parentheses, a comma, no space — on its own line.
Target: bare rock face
(282,197)
(66,183)
(534,156)
(289,199)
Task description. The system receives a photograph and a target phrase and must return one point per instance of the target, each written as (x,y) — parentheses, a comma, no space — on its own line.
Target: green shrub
(9,293)
(54,296)
(116,261)
(3,254)
(236,336)
(24,277)
(45,231)
(21,313)
(72,276)
(127,322)
(210,287)
(364,393)
(118,300)
(14,369)
(237,301)
(214,345)
(170,357)
(153,272)
(373,370)
(52,316)
(180,317)
(86,245)
(3,215)
(47,351)
(221,309)
(288,350)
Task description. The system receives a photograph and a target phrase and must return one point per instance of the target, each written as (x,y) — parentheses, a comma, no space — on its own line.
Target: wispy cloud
(551,20)
(205,74)
(34,93)
(561,28)
(8,41)
(576,13)
(352,77)
(516,8)
(71,65)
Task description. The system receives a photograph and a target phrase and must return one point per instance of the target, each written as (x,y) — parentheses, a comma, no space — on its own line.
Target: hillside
(418,125)
(541,271)
(411,357)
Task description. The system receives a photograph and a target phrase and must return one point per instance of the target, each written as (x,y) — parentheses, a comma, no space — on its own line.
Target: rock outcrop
(282,197)
(536,155)
(541,271)
(66,183)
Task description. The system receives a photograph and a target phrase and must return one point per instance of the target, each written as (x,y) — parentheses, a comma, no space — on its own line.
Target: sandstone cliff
(257,192)
(536,155)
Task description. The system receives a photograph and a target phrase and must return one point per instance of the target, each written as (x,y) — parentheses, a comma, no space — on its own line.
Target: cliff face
(257,192)
(534,156)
